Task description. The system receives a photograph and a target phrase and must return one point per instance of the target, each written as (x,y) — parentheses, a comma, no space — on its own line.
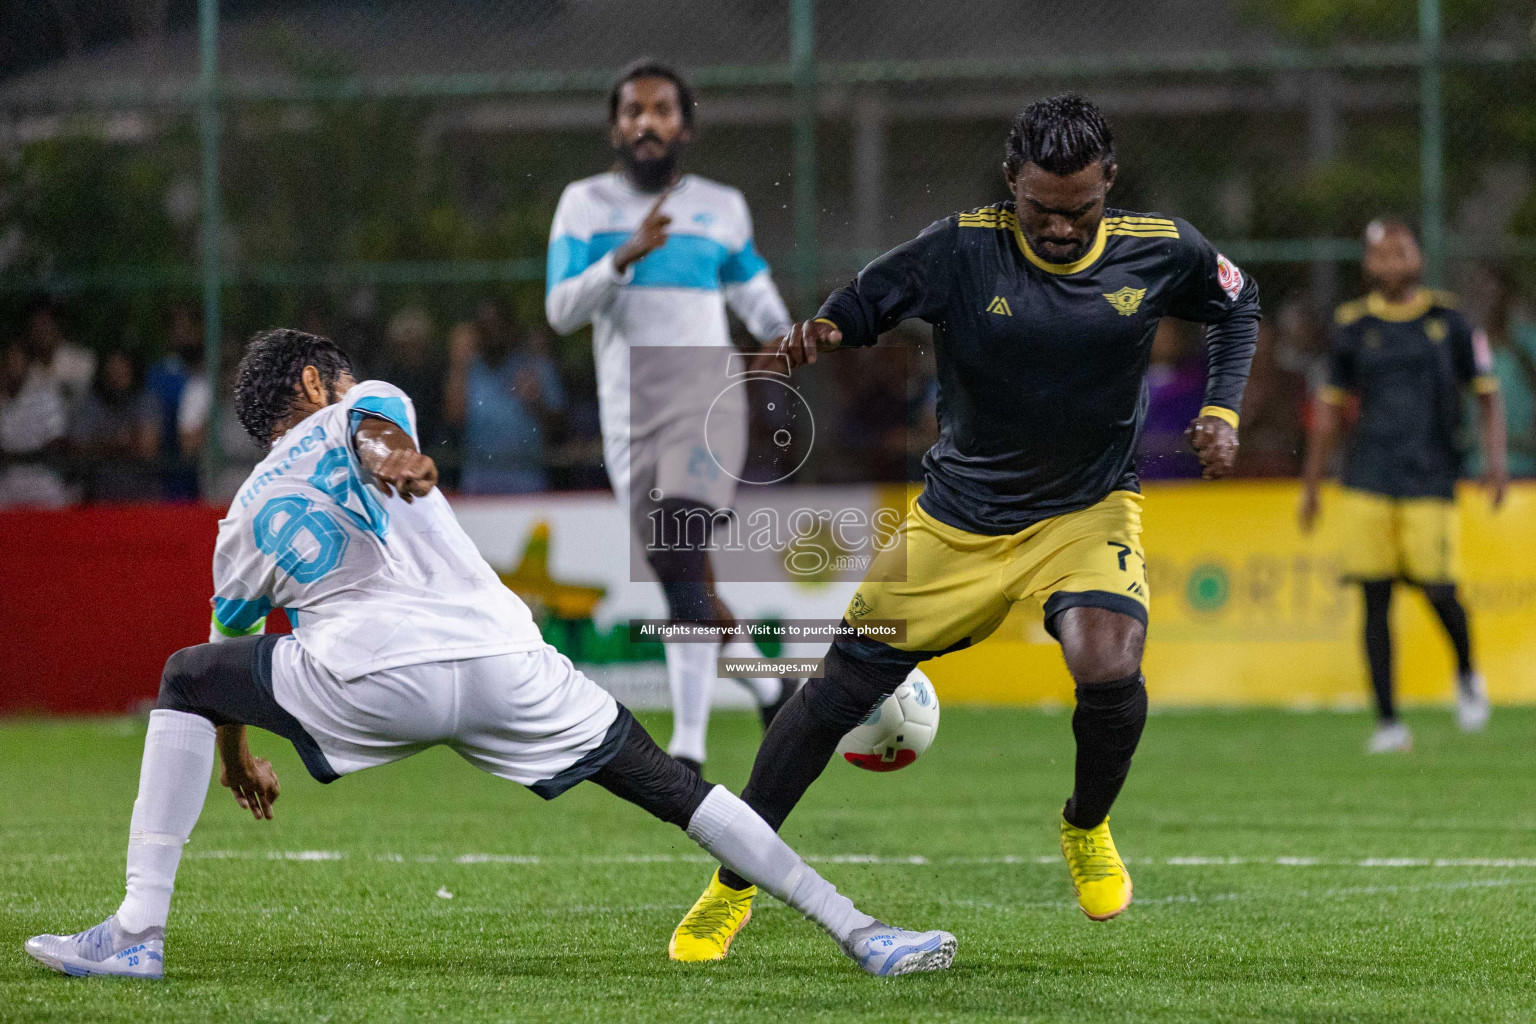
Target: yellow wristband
(1222,414)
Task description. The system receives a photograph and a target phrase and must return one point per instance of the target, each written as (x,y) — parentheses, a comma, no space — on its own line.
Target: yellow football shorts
(959,586)
(1414,539)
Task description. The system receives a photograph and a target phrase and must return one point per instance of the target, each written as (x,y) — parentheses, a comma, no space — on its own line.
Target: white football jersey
(369,582)
(674,296)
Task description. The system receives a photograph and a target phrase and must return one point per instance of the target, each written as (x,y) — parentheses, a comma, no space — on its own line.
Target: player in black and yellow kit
(1408,354)
(1043,311)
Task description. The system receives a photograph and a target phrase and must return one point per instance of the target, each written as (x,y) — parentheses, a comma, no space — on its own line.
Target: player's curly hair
(1061,135)
(267,380)
(648,68)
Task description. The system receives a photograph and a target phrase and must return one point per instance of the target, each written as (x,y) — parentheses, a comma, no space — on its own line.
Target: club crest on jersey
(1127,300)
(1228,276)
(1436,330)
(999,305)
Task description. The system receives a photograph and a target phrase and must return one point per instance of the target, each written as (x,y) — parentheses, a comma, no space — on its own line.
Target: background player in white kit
(403,639)
(651,257)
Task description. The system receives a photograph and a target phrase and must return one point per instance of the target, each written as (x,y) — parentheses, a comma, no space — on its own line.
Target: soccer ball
(897,731)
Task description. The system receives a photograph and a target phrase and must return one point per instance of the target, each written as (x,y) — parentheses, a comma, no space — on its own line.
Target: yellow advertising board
(1245,610)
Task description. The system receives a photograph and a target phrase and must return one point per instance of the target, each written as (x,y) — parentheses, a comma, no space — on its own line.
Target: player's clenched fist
(648,237)
(389,455)
(412,474)
(806,339)
(1215,441)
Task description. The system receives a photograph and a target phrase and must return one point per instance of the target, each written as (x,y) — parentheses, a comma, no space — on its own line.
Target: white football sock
(766,689)
(691,678)
(173,782)
(743,842)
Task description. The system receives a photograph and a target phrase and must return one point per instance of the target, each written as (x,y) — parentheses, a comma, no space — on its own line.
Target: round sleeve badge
(1228,276)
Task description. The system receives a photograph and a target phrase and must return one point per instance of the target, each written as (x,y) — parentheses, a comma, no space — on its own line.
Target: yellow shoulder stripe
(1144,232)
(1445,299)
(1132,219)
(1349,312)
(1141,227)
(989,217)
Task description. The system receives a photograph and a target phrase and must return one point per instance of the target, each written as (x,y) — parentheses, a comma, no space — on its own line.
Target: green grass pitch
(1280,876)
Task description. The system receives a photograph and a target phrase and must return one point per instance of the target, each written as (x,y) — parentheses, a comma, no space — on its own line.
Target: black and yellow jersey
(1042,366)
(1408,362)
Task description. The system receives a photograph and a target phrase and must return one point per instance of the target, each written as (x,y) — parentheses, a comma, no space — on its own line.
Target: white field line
(858,858)
(554,911)
(1004,860)
(1182,899)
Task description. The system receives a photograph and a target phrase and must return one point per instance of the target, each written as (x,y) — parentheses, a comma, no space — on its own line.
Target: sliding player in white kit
(651,257)
(403,639)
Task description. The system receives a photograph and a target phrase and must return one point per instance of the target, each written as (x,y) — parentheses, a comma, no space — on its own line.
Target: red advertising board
(93,600)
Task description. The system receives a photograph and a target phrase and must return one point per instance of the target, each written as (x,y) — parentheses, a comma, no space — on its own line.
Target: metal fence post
(802,56)
(208,130)
(1431,143)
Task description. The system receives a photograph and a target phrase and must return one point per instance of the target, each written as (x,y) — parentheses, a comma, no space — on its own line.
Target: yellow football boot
(1099,877)
(706,931)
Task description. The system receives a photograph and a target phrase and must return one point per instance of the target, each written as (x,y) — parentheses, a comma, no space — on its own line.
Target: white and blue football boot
(105,949)
(885,951)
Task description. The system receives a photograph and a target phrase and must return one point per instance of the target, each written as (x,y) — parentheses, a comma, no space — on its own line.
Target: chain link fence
(382,171)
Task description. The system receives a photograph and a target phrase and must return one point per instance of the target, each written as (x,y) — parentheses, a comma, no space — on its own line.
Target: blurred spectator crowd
(504,409)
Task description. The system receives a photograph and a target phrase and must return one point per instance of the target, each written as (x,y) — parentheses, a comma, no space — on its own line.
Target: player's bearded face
(1059,214)
(650,161)
(650,132)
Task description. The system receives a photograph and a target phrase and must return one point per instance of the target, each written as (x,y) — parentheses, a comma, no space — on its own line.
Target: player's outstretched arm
(251,779)
(808,338)
(389,454)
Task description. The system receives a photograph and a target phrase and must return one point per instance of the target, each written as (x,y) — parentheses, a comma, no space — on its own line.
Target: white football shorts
(530,717)
(696,457)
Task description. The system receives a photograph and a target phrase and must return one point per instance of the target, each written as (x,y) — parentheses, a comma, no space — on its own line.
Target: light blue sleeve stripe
(235,616)
(743,266)
(685,261)
(385,407)
(568,257)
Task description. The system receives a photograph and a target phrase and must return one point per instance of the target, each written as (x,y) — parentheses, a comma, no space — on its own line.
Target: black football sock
(1453,616)
(1378,645)
(1107,723)
(805,732)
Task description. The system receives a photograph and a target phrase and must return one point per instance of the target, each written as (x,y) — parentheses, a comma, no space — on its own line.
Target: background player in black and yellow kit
(1043,311)
(1408,354)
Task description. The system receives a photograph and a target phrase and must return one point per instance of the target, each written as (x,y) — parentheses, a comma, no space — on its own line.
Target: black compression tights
(643,774)
(1378,636)
(1442,598)
(1378,645)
